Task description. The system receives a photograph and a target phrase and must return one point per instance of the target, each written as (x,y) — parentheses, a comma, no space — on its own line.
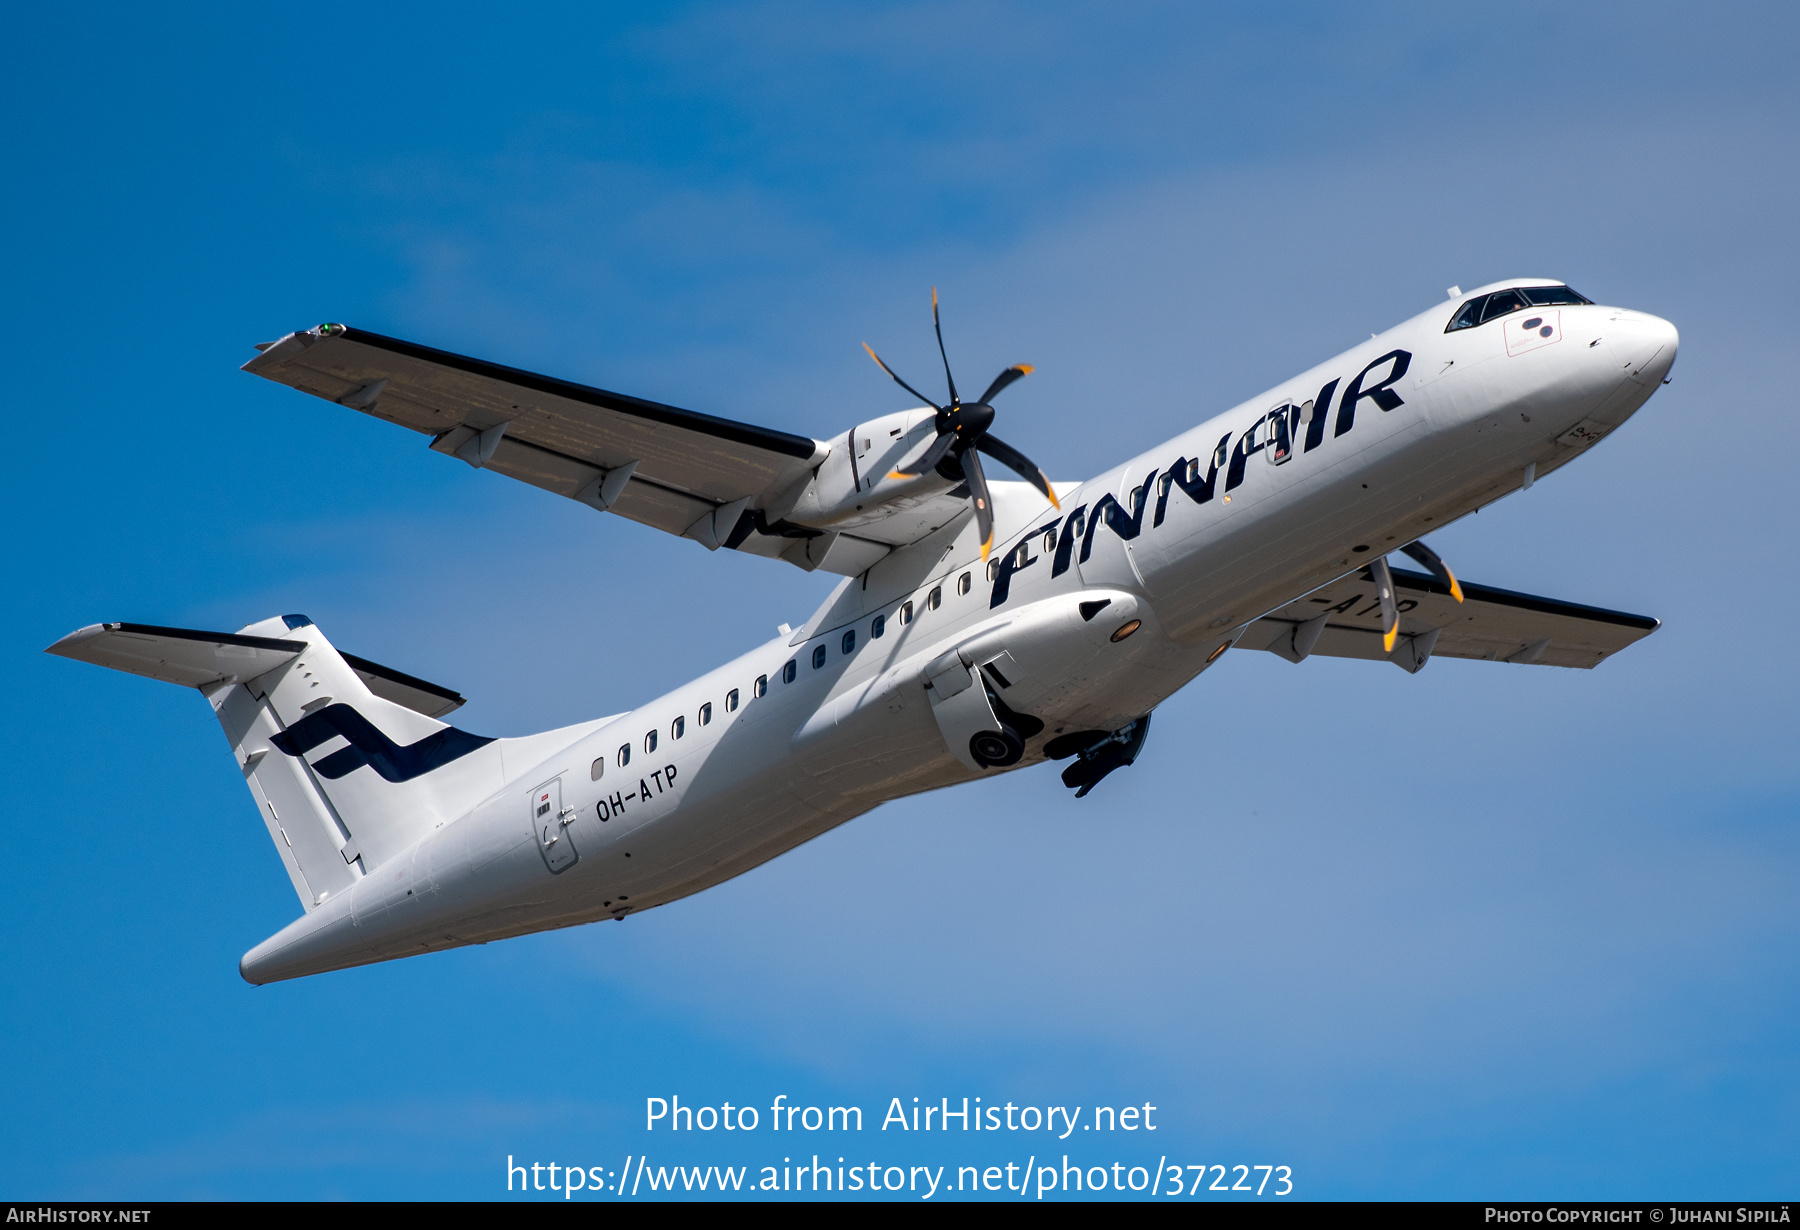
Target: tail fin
(303,721)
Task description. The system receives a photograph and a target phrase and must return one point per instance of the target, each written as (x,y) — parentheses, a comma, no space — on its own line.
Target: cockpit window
(1469,317)
(1488,307)
(1552,296)
(1500,303)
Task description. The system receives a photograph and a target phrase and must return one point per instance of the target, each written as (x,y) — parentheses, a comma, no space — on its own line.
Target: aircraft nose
(1645,345)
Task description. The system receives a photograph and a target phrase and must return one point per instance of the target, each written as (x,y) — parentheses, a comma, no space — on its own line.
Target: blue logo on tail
(368,746)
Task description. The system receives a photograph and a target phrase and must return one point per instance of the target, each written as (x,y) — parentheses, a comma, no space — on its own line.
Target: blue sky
(1505,933)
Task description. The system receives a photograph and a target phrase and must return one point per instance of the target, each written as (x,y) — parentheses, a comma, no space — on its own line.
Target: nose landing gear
(1098,753)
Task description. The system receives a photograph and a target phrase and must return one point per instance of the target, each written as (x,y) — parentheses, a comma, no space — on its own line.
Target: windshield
(1551,296)
(1484,308)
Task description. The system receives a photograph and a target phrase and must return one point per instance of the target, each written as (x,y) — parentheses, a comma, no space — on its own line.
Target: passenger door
(551,827)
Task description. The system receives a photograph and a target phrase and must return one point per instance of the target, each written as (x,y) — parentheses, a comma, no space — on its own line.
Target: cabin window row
(878,625)
(677,730)
(789,673)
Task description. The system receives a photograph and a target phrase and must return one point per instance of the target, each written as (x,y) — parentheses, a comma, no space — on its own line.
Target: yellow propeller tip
(1456,591)
(900,474)
(1025,368)
(1388,639)
(1054,502)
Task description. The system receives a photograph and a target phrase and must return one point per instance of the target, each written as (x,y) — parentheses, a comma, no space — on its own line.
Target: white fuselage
(1471,416)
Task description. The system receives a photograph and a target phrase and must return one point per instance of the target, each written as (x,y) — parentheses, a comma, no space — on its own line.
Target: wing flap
(1491,624)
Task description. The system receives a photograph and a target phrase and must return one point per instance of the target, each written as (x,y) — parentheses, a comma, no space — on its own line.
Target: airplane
(981,626)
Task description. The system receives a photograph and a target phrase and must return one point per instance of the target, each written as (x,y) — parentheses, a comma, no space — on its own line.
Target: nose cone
(1644,345)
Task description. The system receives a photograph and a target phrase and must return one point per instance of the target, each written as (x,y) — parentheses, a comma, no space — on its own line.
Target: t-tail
(350,768)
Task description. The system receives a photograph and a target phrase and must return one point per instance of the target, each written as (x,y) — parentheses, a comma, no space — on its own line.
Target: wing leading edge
(1343,620)
(685,473)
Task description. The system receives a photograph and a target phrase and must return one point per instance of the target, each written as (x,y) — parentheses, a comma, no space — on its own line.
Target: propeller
(1390,610)
(1384,588)
(962,434)
(1434,563)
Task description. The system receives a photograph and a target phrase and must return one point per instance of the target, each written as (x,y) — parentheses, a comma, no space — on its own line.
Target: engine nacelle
(852,489)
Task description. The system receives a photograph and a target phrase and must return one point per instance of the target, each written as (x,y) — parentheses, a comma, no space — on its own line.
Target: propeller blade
(890,371)
(1436,565)
(1390,612)
(1015,372)
(948,378)
(1019,463)
(984,503)
(928,462)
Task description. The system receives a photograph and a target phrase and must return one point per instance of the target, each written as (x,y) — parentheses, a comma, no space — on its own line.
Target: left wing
(1343,620)
(681,471)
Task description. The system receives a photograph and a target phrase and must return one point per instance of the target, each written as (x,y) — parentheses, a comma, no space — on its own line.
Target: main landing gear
(998,748)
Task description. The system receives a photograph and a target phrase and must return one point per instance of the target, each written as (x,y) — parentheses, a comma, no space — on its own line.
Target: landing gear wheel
(997,748)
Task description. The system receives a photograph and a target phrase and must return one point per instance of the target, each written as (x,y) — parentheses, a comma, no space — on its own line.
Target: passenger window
(905,613)
(624,754)
(1049,541)
(787,675)
(731,701)
(993,568)
(818,656)
(935,598)
(650,742)
(677,728)
(1468,318)
(877,627)
(706,713)
(1552,296)
(1500,303)
(849,642)
(598,770)
(962,585)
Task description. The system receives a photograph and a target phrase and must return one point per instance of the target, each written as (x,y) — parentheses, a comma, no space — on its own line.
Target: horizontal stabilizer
(176,655)
(197,659)
(1496,625)
(404,689)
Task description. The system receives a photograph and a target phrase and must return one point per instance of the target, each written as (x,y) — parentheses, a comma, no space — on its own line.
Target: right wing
(683,472)
(1343,620)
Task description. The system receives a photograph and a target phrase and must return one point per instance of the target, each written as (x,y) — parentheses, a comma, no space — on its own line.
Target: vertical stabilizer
(363,777)
(345,765)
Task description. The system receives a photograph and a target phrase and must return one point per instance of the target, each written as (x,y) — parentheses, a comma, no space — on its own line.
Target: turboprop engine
(911,460)
(858,484)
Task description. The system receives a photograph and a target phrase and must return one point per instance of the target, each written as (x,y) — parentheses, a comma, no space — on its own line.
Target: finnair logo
(1278,432)
(368,746)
